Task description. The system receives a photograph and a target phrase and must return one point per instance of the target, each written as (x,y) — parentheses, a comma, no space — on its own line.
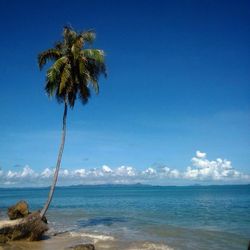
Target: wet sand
(66,240)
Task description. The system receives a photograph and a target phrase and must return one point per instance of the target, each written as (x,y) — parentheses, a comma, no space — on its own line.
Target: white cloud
(174,173)
(201,169)
(199,154)
(65,173)
(125,171)
(25,173)
(170,173)
(47,173)
(106,169)
(80,172)
(149,171)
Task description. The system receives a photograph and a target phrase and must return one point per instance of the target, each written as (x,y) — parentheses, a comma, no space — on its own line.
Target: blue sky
(178,82)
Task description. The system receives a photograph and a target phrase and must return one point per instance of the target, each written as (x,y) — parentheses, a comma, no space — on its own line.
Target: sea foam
(150,246)
(94,237)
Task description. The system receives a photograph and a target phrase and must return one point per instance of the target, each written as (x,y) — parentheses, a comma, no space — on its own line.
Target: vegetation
(75,69)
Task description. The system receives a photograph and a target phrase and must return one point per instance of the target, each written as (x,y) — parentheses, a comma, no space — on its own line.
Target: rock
(29,228)
(20,210)
(83,247)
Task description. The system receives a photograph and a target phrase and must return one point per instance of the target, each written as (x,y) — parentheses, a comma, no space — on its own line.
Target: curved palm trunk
(46,206)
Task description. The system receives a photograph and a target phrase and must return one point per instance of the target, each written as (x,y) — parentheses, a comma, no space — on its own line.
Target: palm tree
(73,72)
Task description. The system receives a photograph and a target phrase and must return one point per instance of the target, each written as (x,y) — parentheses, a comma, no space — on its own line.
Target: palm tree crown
(74,69)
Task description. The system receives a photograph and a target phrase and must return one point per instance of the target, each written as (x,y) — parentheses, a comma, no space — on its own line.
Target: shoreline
(66,240)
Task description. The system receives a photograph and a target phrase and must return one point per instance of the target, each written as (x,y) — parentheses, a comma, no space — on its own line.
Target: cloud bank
(201,170)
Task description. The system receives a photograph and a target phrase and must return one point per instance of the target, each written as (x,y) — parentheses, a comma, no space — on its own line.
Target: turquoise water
(194,217)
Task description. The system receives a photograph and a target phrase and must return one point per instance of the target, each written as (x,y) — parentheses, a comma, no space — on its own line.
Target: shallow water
(144,217)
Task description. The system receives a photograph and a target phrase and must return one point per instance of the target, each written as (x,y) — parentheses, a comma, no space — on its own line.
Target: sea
(142,216)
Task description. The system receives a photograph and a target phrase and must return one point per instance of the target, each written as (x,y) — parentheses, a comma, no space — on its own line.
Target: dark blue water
(195,217)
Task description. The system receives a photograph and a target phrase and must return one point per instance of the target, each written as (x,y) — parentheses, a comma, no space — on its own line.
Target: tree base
(30,228)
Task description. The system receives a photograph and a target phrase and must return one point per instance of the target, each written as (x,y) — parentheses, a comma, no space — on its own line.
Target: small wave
(106,221)
(95,237)
(151,246)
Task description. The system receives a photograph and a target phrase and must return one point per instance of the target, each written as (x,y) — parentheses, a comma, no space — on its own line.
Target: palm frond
(71,95)
(84,93)
(57,66)
(60,97)
(69,36)
(88,36)
(48,55)
(95,85)
(52,75)
(95,62)
(59,45)
(50,86)
(83,72)
(94,54)
(65,76)
(95,68)
(76,49)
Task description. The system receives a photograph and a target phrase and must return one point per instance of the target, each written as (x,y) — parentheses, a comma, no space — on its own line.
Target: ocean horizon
(123,185)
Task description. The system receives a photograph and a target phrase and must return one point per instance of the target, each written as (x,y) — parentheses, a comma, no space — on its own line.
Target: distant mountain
(110,185)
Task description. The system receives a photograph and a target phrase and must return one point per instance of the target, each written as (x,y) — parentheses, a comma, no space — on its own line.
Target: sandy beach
(66,240)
